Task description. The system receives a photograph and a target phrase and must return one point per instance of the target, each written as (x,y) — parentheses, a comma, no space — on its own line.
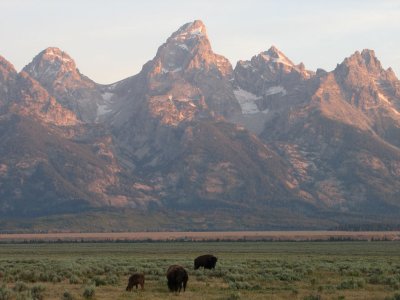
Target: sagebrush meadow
(245,270)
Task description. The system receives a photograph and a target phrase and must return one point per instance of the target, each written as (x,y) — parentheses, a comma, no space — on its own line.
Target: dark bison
(134,280)
(177,278)
(207,261)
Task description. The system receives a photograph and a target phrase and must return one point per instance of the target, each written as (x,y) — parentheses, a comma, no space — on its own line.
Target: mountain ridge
(189,135)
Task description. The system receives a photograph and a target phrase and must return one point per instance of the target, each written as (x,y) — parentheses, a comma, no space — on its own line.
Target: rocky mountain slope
(268,144)
(56,71)
(337,129)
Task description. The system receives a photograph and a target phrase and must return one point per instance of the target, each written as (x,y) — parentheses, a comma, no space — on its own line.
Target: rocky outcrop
(375,92)
(268,84)
(31,99)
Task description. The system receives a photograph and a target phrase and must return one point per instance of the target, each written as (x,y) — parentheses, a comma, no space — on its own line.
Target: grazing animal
(177,278)
(206,261)
(135,280)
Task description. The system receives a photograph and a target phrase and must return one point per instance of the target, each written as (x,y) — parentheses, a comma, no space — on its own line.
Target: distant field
(245,270)
(203,236)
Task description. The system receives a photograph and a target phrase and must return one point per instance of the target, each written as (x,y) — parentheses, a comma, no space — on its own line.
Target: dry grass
(202,236)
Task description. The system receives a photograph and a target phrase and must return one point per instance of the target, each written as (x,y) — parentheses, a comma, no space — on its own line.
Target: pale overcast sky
(111,40)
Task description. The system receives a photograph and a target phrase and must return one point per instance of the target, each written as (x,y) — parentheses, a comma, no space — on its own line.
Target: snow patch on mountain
(247,101)
(276,90)
(281,59)
(164,71)
(197,31)
(57,53)
(245,64)
(190,31)
(104,108)
(107,96)
(183,46)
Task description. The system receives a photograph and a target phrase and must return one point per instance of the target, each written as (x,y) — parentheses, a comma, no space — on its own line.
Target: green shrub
(112,279)
(376,279)
(89,292)
(20,286)
(233,296)
(98,281)
(396,296)
(243,286)
(56,279)
(5,293)
(351,284)
(393,282)
(37,292)
(67,296)
(25,295)
(288,276)
(232,285)
(74,280)
(29,276)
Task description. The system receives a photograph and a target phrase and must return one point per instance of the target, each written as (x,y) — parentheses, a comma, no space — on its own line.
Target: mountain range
(191,143)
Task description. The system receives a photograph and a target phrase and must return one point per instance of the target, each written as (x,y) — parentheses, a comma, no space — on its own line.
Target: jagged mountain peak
(53,67)
(365,60)
(363,74)
(191,30)
(189,48)
(369,88)
(277,60)
(270,72)
(56,71)
(51,62)
(367,54)
(275,55)
(186,79)
(55,53)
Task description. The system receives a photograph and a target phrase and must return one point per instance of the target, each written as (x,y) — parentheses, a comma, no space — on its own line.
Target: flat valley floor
(245,270)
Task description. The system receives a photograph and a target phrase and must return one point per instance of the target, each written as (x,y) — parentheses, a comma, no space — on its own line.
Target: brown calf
(135,280)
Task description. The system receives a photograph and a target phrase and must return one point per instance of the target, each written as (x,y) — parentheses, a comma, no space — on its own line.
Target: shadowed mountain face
(266,145)
(8,76)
